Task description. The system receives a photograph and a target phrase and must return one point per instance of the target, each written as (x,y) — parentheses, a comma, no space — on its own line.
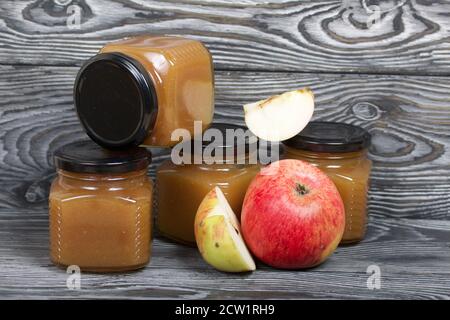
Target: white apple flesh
(280,117)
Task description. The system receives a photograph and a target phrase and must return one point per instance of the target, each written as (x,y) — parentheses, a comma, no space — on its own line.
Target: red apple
(293,216)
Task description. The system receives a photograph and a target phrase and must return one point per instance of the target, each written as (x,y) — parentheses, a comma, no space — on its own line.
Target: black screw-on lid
(319,136)
(115,100)
(88,157)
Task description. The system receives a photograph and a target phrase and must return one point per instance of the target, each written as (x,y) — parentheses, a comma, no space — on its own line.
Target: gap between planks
(271,71)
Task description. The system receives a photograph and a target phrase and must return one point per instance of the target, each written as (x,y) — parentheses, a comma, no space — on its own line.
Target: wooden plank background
(391,78)
(244,34)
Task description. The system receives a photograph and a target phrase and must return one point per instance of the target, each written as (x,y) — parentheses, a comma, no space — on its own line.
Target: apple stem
(301,189)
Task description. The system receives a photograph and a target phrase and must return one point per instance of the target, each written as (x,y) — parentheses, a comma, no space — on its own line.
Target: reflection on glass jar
(181,188)
(100,208)
(340,150)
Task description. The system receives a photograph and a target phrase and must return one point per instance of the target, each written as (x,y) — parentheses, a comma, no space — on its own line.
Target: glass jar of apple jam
(340,150)
(100,208)
(180,188)
(138,90)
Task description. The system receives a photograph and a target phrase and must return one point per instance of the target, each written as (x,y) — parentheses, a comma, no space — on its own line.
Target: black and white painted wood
(407,116)
(391,78)
(409,36)
(413,257)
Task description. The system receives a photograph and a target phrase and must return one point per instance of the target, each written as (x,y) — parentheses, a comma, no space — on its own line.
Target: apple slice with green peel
(218,235)
(281,117)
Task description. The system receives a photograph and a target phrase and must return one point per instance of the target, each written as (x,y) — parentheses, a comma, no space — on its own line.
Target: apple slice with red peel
(280,117)
(218,235)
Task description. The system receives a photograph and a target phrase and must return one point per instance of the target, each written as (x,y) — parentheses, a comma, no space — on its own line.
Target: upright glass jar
(139,90)
(340,150)
(180,188)
(100,208)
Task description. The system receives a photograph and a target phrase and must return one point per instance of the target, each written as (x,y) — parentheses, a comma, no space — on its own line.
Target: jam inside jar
(100,208)
(140,89)
(340,150)
(180,188)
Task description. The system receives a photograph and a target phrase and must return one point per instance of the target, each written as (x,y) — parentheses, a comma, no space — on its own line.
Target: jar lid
(115,100)
(320,136)
(88,157)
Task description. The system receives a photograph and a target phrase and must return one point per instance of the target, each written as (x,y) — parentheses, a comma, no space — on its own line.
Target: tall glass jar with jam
(180,188)
(140,89)
(100,208)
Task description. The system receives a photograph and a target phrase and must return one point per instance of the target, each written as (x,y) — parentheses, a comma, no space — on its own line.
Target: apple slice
(218,235)
(280,117)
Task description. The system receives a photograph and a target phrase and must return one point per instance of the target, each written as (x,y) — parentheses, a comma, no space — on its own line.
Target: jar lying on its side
(139,90)
(180,188)
(100,208)
(340,150)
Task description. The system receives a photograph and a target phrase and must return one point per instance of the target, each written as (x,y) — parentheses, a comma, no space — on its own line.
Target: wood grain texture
(408,117)
(413,256)
(408,36)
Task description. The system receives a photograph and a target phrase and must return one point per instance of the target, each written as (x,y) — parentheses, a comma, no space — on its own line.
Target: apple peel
(218,235)
(280,117)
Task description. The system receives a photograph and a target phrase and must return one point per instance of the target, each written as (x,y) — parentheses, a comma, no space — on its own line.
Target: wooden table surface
(391,77)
